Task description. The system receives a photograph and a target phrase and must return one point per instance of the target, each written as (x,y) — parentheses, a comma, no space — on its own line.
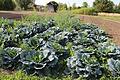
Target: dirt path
(20,14)
(111,27)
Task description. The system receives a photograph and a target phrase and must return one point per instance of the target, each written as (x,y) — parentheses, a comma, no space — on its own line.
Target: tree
(74,6)
(62,6)
(1,4)
(85,5)
(117,8)
(103,5)
(7,5)
(24,4)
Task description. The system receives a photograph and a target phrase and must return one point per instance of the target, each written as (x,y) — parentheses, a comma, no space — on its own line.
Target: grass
(85,11)
(114,18)
(19,75)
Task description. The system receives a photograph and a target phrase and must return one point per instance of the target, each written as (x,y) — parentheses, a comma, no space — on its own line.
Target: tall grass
(66,20)
(85,11)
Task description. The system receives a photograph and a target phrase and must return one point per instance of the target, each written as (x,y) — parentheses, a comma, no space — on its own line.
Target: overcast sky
(70,2)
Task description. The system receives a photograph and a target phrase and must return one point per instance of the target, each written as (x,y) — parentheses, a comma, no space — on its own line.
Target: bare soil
(20,14)
(10,15)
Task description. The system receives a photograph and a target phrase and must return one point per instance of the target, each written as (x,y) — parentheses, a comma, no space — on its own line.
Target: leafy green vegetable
(59,46)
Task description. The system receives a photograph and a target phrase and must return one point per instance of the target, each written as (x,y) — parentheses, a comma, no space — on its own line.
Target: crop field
(58,47)
(110,26)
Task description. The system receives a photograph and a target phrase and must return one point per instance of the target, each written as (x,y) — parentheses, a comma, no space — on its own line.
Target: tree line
(15,4)
(106,6)
(98,5)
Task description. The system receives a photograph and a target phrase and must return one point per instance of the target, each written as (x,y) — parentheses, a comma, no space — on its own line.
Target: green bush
(85,11)
(7,5)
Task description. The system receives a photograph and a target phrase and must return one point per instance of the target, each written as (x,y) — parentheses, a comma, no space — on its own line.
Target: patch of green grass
(114,18)
(84,11)
(19,75)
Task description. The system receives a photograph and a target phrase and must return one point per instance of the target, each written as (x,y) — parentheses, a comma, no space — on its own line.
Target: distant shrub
(86,11)
(7,5)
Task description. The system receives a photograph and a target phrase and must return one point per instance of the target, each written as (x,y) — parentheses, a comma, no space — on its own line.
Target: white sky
(70,2)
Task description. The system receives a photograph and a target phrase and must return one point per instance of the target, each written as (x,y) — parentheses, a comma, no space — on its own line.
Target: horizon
(71,2)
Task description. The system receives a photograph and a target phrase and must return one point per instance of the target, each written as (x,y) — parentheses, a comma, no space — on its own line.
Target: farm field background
(102,23)
(109,23)
(59,39)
